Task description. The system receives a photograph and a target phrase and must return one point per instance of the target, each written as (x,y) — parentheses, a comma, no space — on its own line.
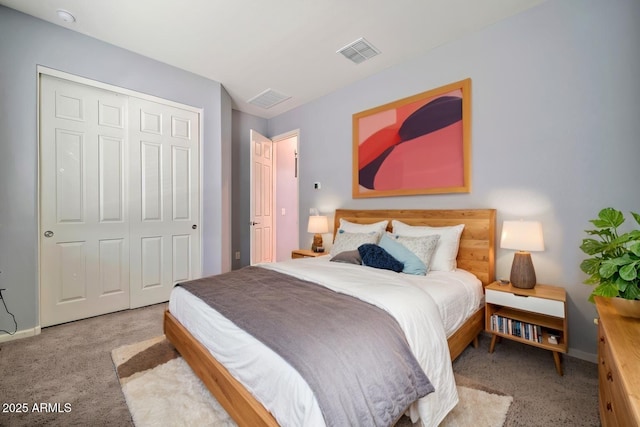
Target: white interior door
(84,229)
(261,221)
(165,201)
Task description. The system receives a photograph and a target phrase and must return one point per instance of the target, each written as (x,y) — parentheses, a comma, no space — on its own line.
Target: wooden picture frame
(415,145)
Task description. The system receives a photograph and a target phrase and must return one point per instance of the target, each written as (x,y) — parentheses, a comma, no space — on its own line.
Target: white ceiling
(285,45)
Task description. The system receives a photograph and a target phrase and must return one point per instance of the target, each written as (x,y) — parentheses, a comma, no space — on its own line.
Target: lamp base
(316,246)
(523,274)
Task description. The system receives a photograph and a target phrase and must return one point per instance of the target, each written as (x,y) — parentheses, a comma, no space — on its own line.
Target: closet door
(164,201)
(84,228)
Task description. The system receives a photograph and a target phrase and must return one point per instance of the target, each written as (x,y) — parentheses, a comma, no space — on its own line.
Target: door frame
(40,70)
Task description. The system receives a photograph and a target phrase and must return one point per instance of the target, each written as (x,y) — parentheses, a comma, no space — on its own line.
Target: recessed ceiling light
(65,15)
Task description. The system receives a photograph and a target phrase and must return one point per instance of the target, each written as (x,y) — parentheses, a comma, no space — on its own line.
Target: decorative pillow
(412,264)
(444,258)
(348,257)
(350,241)
(352,227)
(423,247)
(376,257)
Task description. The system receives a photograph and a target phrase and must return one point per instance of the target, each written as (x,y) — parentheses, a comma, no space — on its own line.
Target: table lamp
(523,236)
(318,224)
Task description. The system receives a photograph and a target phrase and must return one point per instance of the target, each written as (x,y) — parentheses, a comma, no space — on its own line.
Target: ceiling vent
(359,51)
(268,99)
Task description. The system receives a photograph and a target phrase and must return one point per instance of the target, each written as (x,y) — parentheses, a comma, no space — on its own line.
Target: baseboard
(579,354)
(25,333)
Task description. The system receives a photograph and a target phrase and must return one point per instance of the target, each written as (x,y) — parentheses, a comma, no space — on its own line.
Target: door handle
(253,223)
(48,233)
(194,226)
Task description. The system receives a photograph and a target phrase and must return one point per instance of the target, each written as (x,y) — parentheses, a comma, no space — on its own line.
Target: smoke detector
(65,15)
(359,51)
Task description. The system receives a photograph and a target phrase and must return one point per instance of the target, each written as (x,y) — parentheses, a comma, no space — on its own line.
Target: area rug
(161,390)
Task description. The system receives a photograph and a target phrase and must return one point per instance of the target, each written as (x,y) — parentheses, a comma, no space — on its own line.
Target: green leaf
(616,247)
(606,289)
(609,217)
(636,216)
(635,249)
(621,284)
(591,246)
(623,238)
(621,260)
(590,266)
(629,272)
(602,232)
(608,269)
(600,223)
(632,292)
(593,280)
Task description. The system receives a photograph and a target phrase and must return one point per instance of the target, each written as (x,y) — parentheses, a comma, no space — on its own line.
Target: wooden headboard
(477,243)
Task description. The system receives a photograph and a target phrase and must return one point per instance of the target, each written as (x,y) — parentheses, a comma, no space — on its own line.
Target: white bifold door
(119,200)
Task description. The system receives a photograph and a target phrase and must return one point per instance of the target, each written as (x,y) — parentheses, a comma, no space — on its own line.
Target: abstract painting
(416,145)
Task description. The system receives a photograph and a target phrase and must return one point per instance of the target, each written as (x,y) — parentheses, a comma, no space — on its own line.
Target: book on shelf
(516,328)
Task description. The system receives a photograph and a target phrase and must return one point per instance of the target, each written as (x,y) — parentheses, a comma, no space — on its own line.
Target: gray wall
(556,119)
(26,42)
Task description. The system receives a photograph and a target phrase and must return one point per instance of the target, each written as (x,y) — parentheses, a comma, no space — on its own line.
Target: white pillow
(350,241)
(444,258)
(352,227)
(421,246)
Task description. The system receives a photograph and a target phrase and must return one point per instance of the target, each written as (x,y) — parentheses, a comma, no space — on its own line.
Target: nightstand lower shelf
(536,317)
(541,326)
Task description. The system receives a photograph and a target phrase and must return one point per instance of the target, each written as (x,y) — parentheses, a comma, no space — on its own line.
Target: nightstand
(536,317)
(306,253)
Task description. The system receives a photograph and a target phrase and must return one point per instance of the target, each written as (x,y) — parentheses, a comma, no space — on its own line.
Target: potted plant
(614,263)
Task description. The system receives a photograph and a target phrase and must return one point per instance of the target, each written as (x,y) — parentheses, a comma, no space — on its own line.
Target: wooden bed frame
(476,255)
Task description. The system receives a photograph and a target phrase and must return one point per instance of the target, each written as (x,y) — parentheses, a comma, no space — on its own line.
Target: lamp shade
(318,224)
(522,236)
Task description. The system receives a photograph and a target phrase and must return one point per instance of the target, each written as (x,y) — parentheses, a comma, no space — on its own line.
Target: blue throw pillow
(374,256)
(412,264)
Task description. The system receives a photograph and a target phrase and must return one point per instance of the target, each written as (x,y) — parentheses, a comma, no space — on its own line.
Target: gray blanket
(353,355)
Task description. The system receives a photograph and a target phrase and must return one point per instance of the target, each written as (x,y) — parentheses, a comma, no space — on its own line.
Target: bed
(475,255)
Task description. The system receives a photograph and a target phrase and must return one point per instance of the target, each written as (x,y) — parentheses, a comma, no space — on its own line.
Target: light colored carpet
(161,390)
(71,363)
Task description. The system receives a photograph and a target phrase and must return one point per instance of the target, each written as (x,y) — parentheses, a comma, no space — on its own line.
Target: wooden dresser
(618,366)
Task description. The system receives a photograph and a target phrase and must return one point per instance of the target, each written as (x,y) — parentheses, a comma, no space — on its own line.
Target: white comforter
(282,390)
